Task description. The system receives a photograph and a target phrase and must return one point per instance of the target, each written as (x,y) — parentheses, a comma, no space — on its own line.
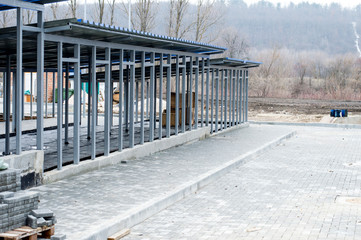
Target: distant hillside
(302,27)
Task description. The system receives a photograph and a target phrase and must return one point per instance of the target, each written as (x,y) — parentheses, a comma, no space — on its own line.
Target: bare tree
(100,10)
(237,47)
(5,18)
(176,26)
(29,16)
(207,15)
(142,15)
(54,9)
(73,7)
(112,5)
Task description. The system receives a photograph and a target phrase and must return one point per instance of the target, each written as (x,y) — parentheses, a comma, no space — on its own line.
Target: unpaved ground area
(301,110)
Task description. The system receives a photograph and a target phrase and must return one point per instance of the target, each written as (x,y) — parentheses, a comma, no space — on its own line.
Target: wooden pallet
(27,233)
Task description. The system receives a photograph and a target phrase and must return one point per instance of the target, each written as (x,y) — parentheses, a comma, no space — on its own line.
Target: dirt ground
(302,110)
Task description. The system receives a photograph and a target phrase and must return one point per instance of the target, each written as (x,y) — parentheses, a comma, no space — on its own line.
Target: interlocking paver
(84,202)
(289,192)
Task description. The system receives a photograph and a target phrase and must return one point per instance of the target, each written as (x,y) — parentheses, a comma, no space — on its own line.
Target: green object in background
(27,92)
(87,88)
(71,93)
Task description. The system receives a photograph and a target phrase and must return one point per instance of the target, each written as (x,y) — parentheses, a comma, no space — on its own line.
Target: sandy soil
(300,110)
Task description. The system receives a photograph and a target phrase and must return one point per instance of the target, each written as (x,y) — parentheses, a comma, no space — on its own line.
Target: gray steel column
(152,96)
(225,98)
(46,95)
(89,97)
(169,68)
(19,80)
(237,98)
(4,97)
(246,85)
(160,95)
(142,79)
(217,99)
(77,105)
(107,100)
(131,99)
(83,97)
(176,96)
(94,102)
(31,95)
(66,130)
(196,75)
(22,95)
(120,129)
(233,99)
(13,104)
(54,94)
(7,106)
(207,93)
(137,101)
(222,90)
(190,93)
(60,107)
(184,107)
(126,98)
(202,94)
(244,96)
(147,101)
(212,98)
(240,96)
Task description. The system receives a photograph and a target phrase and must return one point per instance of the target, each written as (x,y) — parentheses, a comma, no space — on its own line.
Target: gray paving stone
(58,237)
(288,192)
(31,221)
(113,190)
(42,213)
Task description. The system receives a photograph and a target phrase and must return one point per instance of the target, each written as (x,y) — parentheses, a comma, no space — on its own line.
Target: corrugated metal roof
(231,62)
(42,2)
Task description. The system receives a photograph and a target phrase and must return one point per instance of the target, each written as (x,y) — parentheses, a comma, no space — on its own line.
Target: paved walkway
(83,203)
(306,188)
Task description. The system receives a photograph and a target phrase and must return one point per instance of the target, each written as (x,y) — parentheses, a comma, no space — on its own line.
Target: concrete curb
(127,154)
(139,214)
(240,126)
(329,125)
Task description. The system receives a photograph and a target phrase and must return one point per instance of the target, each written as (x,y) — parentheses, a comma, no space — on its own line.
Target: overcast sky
(344,3)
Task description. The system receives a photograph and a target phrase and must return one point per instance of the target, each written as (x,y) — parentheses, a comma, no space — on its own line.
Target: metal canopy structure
(165,86)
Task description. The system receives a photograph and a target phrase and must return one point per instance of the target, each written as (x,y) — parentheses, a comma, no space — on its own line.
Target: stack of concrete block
(10,180)
(15,207)
(40,218)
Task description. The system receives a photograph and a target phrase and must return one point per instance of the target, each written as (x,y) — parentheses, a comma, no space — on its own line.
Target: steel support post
(222,91)
(131,99)
(4,96)
(246,85)
(176,127)
(152,98)
(13,104)
(196,79)
(22,95)
(77,105)
(120,129)
(169,68)
(244,96)
(147,101)
(233,98)
(126,98)
(107,100)
(212,98)
(19,80)
(184,107)
(94,101)
(217,99)
(240,97)
(7,106)
(83,98)
(46,94)
(136,101)
(31,95)
(90,94)
(225,98)
(60,107)
(142,79)
(54,94)
(190,93)
(66,130)
(160,95)
(207,93)
(202,94)
(237,97)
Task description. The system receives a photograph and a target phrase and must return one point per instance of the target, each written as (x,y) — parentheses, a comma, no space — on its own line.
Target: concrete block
(41,222)
(58,237)
(41,213)
(4,195)
(49,223)
(31,221)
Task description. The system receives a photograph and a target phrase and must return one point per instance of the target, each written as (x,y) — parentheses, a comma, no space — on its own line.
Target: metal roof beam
(22,4)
